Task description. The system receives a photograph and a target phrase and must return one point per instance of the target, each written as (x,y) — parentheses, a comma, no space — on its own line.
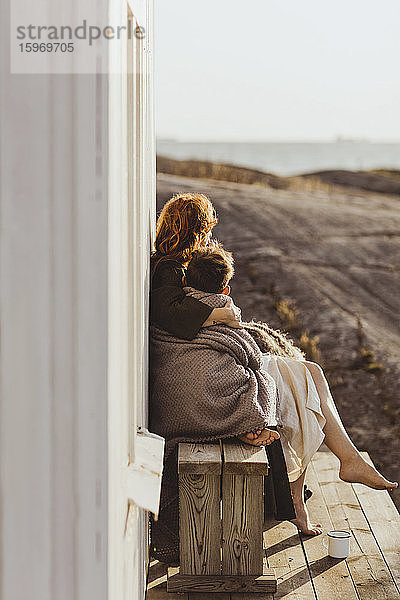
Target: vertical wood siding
(53,301)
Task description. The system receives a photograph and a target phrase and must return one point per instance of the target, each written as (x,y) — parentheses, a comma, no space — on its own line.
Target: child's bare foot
(358,470)
(252,435)
(265,438)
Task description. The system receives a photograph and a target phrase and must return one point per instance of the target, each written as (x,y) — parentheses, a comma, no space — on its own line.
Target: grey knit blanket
(201,390)
(211,387)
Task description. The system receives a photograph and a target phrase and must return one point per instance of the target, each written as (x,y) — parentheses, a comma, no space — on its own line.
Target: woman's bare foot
(265,438)
(302,521)
(357,470)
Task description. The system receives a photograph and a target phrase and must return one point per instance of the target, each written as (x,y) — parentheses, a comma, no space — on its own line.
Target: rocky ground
(323,264)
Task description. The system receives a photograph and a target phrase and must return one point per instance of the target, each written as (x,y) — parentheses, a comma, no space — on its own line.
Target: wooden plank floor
(303,569)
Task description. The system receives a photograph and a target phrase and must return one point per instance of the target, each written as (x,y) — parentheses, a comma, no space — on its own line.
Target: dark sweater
(170,308)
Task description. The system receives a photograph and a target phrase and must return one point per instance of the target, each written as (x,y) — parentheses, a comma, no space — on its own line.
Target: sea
(289,158)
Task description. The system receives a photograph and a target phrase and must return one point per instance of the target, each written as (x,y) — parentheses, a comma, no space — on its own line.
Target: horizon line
(338,140)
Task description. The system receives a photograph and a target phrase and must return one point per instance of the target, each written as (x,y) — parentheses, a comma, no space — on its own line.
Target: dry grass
(379,181)
(289,315)
(369,362)
(309,345)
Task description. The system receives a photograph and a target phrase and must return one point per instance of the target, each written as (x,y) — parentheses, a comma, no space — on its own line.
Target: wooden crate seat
(221,515)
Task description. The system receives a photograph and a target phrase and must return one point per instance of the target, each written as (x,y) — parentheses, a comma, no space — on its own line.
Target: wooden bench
(221,515)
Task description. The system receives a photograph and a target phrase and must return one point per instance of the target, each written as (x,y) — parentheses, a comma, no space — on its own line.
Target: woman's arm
(179,314)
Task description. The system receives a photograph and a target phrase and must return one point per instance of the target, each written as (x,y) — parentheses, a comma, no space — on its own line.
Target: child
(210,270)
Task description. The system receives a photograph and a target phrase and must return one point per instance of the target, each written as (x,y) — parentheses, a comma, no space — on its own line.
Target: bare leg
(353,467)
(302,520)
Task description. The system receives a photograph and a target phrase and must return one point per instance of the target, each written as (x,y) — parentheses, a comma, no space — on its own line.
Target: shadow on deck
(303,569)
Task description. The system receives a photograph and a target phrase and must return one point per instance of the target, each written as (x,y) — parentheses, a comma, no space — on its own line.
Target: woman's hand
(229,315)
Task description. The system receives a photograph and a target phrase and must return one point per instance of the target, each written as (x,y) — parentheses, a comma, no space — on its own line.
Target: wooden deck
(304,571)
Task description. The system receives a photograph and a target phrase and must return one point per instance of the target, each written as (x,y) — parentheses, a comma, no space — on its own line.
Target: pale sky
(277,69)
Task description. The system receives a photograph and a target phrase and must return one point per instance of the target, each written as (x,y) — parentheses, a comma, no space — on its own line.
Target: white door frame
(135,457)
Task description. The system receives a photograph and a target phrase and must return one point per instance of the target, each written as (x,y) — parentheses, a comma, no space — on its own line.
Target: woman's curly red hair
(184,222)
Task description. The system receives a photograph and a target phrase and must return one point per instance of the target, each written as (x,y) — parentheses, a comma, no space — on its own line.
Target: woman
(184,225)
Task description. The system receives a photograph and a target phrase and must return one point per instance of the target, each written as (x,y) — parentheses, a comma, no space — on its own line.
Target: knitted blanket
(202,390)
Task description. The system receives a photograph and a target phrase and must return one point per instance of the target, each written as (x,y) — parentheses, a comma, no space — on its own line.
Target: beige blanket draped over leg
(301,387)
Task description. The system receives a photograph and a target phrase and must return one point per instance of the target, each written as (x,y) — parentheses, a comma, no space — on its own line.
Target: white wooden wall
(70,399)
(53,294)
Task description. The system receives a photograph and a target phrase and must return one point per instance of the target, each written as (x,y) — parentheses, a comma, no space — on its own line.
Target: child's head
(210,270)
(184,225)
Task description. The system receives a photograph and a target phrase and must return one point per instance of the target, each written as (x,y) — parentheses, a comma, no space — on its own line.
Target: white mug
(338,545)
